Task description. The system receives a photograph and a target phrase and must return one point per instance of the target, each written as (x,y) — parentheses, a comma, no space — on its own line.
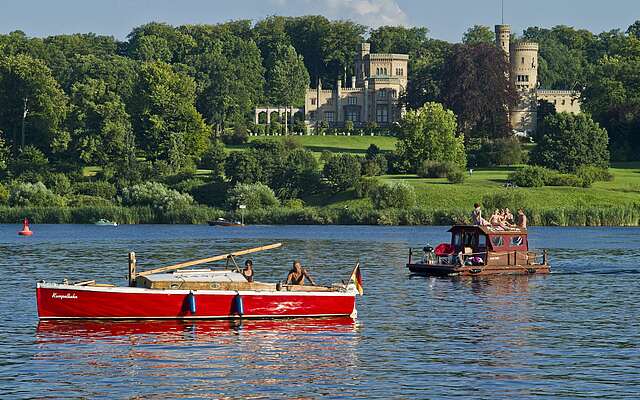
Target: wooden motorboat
(175,292)
(224,222)
(481,250)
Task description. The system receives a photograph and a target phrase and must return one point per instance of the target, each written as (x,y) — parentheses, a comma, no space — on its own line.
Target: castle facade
(523,73)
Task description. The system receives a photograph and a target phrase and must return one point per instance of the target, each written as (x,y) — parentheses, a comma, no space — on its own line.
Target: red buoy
(25,228)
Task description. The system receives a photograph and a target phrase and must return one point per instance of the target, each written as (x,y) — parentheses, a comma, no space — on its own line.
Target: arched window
(385,71)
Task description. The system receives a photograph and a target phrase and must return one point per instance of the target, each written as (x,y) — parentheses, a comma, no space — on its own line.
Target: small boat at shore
(224,222)
(481,250)
(105,222)
(176,292)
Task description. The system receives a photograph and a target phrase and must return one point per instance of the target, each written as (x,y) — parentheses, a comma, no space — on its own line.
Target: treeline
(89,121)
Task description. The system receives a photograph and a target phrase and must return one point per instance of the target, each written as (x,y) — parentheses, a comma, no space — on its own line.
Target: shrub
(102,189)
(214,159)
(342,171)
(590,174)
(252,195)
(558,179)
(29,160)
(530,176)
(505,198)
(4,194)
(88,201)
(456,176)
(365,185)
(393,195)
(504,151)
(155,195)
(33,194)
(370,168)
(58,182)
(294,204)
(435,169)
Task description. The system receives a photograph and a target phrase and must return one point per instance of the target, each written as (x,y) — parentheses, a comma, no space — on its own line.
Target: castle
(523,57)
(372,96)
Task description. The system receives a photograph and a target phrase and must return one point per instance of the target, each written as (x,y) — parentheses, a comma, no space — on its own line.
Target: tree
(99,123)
(288,81)
(398,39)
(426,69)
(242,167)
(339,47)
(570,141)
(429,133)
(478,34)
(476,87)
(342,171)
(165,120)
(634,30)
(157,41)
(214,159)
(32,105)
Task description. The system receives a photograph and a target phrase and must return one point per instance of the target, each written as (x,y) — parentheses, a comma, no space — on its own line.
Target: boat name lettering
(64,296)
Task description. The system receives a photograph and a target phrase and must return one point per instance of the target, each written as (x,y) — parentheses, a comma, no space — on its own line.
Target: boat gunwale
(349,292)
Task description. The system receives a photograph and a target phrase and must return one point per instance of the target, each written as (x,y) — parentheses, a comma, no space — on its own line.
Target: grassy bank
(628,215)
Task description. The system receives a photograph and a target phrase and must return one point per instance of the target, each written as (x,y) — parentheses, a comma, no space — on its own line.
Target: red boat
(174,293)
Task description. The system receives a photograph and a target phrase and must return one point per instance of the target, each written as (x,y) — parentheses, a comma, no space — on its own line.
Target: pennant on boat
(356,278)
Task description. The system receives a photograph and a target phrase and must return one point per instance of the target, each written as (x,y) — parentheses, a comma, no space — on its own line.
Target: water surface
(572,334)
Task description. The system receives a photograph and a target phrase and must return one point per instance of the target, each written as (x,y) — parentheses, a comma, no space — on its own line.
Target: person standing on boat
(297,275)
(476,216)
(522,219)
(247,272)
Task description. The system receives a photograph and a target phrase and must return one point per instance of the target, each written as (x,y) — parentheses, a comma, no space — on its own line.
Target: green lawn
(440,194)
(334,144)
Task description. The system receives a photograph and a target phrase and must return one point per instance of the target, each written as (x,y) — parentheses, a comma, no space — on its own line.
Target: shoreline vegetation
(622,215)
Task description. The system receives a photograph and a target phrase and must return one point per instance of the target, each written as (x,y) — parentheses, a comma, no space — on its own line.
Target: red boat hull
(90,302)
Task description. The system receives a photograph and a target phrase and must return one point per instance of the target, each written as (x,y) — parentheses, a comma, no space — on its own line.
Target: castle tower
(362,51)
(524,76)
(503,37)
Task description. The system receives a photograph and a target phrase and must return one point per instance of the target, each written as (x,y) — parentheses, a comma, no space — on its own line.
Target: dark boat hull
(480,270)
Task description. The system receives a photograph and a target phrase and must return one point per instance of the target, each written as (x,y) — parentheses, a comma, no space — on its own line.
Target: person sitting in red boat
(247,272)
(297,275)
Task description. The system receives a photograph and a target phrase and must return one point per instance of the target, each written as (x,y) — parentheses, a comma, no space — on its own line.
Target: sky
(445,19)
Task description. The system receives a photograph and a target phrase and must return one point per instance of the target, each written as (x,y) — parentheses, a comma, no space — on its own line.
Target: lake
(572,334)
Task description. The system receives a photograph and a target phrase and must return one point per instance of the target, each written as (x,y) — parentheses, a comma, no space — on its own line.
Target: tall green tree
(339,48)
(478,34)
(288,81)
(429,133)
(99,124)
(32,105)
(476,87)
(398,39)
(571,141)
(165,120)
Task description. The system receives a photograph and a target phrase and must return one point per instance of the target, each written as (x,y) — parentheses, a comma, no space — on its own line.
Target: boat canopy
(482,238)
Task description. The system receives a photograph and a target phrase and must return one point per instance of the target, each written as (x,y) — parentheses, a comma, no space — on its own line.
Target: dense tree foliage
(429,133)
(571,141)
(478,34)
(476,87)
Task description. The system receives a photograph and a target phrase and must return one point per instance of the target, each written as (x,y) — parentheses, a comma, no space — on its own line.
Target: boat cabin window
(482,242)
(516,241)
(457,240)
(497,241)
(469,239)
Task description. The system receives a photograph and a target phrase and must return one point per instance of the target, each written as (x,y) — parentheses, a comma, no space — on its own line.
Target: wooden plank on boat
(208,260)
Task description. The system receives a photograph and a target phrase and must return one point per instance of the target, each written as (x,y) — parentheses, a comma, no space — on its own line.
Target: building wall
(372,95)
(564,100)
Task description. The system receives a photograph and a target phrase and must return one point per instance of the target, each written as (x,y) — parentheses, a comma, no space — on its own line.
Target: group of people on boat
(296,276)
(503,219)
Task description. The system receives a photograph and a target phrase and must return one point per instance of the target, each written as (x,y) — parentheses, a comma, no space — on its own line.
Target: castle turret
(503,37)
(524,75)
(362,52)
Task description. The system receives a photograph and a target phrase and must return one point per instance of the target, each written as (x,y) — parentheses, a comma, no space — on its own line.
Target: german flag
(356,278)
